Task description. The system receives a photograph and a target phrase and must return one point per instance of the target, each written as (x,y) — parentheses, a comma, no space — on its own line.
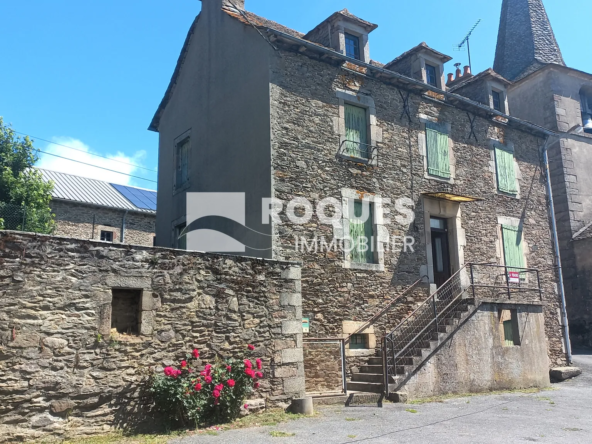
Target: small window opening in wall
(125,311)
(106,236)
(497,100)
(509,328)
(431,77)
(358,342)
(180,240)
(352,46)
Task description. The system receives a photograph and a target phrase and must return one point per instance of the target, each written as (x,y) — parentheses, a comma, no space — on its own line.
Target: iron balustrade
(358,152)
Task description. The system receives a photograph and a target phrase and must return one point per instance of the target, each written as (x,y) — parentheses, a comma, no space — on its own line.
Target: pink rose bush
(188,394)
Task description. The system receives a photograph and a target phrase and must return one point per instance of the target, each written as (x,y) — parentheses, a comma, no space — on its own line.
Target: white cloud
(117,162)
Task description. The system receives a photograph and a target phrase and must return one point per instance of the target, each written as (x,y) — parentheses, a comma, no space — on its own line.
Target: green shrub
(215,395)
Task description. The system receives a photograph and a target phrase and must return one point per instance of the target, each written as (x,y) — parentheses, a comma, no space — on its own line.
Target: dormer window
(431,76)
(345,33)
(497,96)
(586,104)
(352,46)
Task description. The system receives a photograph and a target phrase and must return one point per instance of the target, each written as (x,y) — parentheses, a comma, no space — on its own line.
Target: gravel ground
(562,415)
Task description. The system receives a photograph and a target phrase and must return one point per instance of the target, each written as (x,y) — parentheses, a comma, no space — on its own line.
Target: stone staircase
(370,378)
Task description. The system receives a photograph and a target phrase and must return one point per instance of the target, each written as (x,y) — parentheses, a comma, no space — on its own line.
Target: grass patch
(443,398)
(568,429)
(280,434)
(351,436)
(118,438)
(411,410)
(352,419)
(271,418)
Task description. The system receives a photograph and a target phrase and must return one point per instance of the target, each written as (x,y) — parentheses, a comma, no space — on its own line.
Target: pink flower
(246,406)
(197,387)
(169,371)
(208,379)
(208,369)
(231,383)
(216,394)
(256,386)
(219,387)
(249,372)
(248,364)
(183,364)
(259,375)
(251,347)
(259,364)
(178,373)
(229,369)
(195,353)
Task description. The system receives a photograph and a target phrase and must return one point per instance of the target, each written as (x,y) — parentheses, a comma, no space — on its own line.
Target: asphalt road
(562,415)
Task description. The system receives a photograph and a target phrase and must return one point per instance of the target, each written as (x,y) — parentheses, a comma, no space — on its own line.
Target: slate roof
(344,14)
(525,41)
(415,49)
(482,75)
(83,190)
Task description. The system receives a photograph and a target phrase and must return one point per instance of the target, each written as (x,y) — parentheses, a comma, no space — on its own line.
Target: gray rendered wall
(222,96)
(474,360)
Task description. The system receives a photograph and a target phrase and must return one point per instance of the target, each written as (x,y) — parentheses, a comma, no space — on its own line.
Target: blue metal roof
(97,192)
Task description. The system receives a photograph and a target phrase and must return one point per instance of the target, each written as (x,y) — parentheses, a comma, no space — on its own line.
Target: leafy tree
(24,195)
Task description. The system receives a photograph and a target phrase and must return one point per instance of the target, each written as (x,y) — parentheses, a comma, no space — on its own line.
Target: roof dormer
(422,63)
(487,87)
(345,33)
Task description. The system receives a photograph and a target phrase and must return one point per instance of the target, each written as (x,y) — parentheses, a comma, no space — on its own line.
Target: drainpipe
(557,253)
(122,235)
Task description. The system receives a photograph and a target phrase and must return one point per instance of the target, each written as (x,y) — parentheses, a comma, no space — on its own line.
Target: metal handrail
(381,313)
(371,151)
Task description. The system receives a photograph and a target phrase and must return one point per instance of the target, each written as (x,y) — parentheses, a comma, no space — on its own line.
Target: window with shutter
(513,252)
(438,152)
(361,233)
(506,174)
(509,328)
(356,131)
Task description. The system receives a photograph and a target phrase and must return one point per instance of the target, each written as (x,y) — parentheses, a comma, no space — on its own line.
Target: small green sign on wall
(305,325)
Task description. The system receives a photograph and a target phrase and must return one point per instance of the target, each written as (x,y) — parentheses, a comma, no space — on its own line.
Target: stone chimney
(450,78)
(467,71)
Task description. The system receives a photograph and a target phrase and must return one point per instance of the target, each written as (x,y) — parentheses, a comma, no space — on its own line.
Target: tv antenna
(466,40)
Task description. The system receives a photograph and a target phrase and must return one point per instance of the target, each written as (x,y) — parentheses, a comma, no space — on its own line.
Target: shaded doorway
(440,250)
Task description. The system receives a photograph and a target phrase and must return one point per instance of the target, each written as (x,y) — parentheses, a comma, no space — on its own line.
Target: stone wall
(305,140)
(474,360)
(76,220)
(64,373)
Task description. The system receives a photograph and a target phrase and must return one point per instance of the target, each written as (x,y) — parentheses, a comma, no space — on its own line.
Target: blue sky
(90,75)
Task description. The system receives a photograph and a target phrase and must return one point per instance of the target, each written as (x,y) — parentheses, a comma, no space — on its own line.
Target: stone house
(534,84)
(87,208)
(314,123)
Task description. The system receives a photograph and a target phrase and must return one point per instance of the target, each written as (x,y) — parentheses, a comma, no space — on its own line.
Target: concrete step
(369,387)
(371,369)
(367,377)
(375,361)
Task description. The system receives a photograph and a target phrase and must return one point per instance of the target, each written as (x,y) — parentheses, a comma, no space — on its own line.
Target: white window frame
(499,88)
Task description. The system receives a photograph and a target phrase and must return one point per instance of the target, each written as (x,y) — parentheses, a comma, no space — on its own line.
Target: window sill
(367,267)
(429,176)
(512,195)
(355,159)
(359,352)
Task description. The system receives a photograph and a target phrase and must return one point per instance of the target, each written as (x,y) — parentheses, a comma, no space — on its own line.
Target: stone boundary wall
(62,372)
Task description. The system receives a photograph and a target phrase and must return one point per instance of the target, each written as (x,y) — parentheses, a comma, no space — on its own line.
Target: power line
(95,166)
(87,152)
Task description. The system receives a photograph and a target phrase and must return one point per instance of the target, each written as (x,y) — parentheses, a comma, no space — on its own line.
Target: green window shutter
(438,151)
(508,334)
(359,229)
(506,174)
(513,252)
(356,131)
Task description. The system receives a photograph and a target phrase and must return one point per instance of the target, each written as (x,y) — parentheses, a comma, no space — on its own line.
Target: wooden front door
(440,250)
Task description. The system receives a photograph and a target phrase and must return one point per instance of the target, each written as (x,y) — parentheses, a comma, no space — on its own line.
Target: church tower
(526,40)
